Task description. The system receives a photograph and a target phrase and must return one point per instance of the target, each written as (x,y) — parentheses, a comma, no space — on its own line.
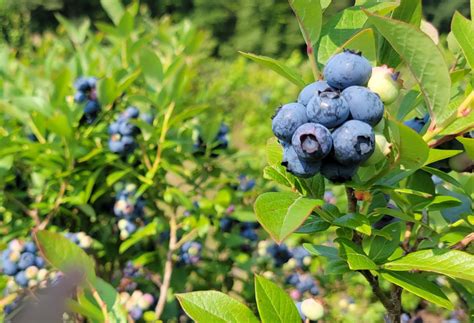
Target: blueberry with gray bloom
(416,123)
(347,69)
(364,104)
(337,173)
(312,141)
(287,119)
(297,166)
(311,90)
(353,142)
(328,108)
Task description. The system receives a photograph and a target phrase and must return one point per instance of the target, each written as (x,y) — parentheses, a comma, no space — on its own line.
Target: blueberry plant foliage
(115,167)
(408,223)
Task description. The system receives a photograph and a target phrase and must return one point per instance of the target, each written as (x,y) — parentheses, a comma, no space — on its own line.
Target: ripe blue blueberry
(311,90)
(129,143)
(116,146)
(114,128)
(9,268)
(346,69)
(30,247)
(417,124)
(80,97)
(39,262)
(297,166)
(27,259)
(136,313)
(91,107)
(147,117)
(131,113)
(328,108)
(364,104)
(82,84)
(226,224)
(127,129)
(353,142)
(337,173)
(312,141)
(21,279)
(287,119)
(280,254)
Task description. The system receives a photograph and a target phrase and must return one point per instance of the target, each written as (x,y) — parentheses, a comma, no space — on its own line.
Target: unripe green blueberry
(382,149)
(461,163)
(312,309)
(42,274)
(124,234)
(385,83)
(31,272)
(122,224)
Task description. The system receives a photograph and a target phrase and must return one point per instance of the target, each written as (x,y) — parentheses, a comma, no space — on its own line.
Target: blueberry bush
(388,115)
(131,162)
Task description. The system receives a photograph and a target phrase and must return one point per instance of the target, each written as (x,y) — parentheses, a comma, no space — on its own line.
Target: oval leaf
(281,213)
(274,304)
(63,254)
(422,57)
(420,286)
(212,306)
(309,15)
(453,263)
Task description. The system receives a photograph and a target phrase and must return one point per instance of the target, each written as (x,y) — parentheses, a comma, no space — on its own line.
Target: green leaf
(453,263)
(381,248)
(151,67)
(313,224)
(63,254)
(116,176)
(287,72)
(59,124)
(356,221)
(274,304)
(146,231)
(420,286)
(338,30)
(442,202)
(322,251)
(274,152)
(336,267)
(468,144)
(278,174)
(281,213)
(408,11)
(110,297)
(363,42)
(212,306)
(89,311)
(107,90)
(356,259)
(309,16)
(422,57)
(114,9)
(463,30)
(413,149)
(440,154)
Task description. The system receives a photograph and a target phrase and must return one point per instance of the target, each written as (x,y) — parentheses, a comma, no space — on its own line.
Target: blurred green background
(263,26)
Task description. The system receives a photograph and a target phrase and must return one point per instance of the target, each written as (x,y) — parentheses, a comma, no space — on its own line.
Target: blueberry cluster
(122,132)
(221,142)
(281,255)
(459,163)
(80,238)
(86,93)
(136,303)
(329,128)
(247,229)
(128,209)
(304,283)
(21,260)
(190,253)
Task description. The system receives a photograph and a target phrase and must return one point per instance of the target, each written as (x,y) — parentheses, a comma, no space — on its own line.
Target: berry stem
(164,131)
(101,303)
(168,271)
(312,61)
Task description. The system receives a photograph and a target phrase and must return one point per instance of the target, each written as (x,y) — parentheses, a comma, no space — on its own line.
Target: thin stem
(57,204)
(461,111)
(101,303)
(168,271)
(351,200)
(464,243)
(312,61)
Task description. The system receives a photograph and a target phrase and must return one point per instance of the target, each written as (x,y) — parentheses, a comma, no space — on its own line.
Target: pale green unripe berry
(461,163)
(385,83)
(382,149)
(312,309)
